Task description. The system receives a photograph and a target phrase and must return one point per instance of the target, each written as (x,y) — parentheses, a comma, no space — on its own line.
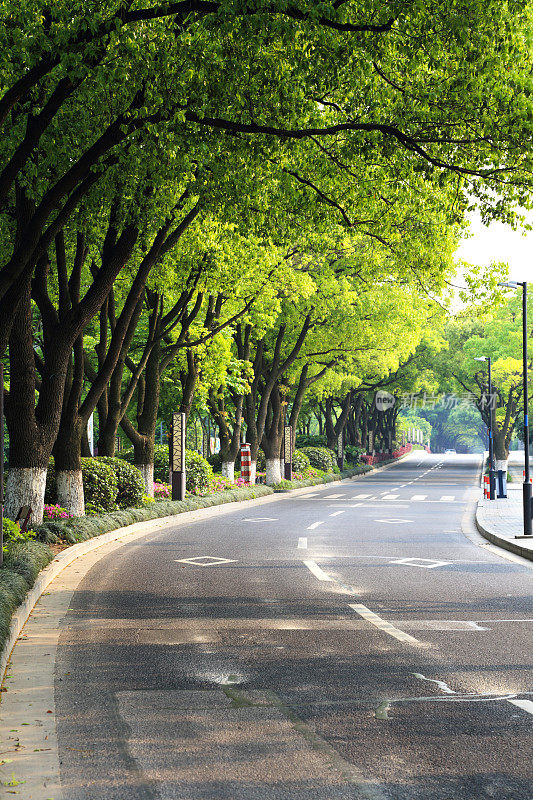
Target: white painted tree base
(70,491)
(25,487)
(228,470)
(147,471)
(273,471)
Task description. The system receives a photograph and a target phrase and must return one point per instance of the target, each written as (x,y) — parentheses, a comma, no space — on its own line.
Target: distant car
(450,451)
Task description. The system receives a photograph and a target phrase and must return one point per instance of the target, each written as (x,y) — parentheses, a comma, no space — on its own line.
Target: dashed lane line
(336,513)
(315,525)
(382,624)
(302,543)
(313,567)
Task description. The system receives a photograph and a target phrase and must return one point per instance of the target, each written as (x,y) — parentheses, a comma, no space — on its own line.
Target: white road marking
(419,497)
(332,496)
(313,567)
(382,624)
(393,521)
(526,705)
(415,562)
(315,525)
(447,498)
(443,686)
(205,561)
(363,496)
(302,543)
(390,497)
(305,496)
(260,519)
(336,513)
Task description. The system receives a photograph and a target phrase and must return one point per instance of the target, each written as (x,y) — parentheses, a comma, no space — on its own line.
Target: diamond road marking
(393,521)
(415,562)
(205,561)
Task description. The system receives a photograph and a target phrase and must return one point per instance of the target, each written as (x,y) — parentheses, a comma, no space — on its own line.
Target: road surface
(350,642)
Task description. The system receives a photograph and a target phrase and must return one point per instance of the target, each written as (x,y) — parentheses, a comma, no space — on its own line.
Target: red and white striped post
(246,463)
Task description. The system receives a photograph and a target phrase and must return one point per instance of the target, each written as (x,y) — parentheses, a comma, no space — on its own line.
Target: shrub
(100,485)
(130,482)
(302,440)
(55,512)
(161,463)
(13,534)
(300,461)
(321,458)
(216,461)
(353,453)
(199,473)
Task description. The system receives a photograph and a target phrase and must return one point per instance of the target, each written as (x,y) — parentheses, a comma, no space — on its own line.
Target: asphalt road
(348,643)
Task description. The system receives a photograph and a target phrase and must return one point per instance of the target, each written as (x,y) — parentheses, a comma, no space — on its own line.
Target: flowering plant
(56,512)
(161,491)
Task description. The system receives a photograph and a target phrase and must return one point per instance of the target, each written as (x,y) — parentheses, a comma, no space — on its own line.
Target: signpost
(287,452)
(340,451)
(177,456)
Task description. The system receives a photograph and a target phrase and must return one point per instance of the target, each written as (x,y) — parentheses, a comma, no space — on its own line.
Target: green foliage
(300,461)
(130,482)
(198,472)
(321,457)
(161,462)
(100,484)
(22,563)
(302,440)
(13,534)
(353,453)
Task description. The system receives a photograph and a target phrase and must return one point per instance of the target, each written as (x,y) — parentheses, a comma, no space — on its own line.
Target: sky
(498,242)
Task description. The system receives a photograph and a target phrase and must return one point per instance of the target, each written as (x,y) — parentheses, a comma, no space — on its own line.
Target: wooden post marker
(287,452)
(177,456)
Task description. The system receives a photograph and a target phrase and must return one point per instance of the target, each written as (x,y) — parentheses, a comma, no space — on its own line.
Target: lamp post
(526,488)
(492,487)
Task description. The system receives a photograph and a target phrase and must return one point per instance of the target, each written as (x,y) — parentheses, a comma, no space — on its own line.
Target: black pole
(492,481)
(1,462)
(527,486)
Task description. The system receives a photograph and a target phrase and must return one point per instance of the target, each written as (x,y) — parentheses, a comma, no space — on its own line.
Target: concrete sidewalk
(501,521)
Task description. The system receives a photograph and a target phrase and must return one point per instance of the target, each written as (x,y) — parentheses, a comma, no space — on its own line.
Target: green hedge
(300,461)
(130,483)
(321,458)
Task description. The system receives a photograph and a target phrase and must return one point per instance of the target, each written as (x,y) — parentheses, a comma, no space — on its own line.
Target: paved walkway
(501,521)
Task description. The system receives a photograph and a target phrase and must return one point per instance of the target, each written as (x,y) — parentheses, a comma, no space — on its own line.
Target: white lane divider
(302,543)
(363,497)
(313,567)
(419,497)
(382,624)
(390,497)
(336,513)
(446,498)
(315,525)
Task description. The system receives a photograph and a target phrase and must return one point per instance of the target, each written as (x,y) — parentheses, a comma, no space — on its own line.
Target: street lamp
(491,429)
(526,488)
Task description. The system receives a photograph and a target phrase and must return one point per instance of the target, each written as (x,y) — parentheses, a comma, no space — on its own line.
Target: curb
(58,564)
(500,541)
